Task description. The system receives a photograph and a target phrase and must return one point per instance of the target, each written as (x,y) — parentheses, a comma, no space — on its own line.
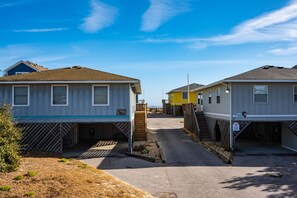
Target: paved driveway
(191,171)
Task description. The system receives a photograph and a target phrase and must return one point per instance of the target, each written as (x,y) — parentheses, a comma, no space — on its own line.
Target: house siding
(280,105)
(79,107)
(20,68)
(176,98)
(222,109)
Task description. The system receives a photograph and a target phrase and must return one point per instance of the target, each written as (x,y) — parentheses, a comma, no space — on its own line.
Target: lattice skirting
(243,126)
(292,126)
(124,127)
(45,137)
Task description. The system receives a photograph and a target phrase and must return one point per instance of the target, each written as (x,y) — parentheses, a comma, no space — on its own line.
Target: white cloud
(101,16)
(284,51)
(160,11)
(275,26)
(42,30)
(6,5)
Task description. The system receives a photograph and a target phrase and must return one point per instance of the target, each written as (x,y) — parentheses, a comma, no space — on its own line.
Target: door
(200,102)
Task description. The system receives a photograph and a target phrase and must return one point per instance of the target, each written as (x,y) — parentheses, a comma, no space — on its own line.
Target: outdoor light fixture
(228,89)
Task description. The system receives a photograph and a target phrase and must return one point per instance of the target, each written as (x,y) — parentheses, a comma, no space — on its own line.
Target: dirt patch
(54,177)
(148,151)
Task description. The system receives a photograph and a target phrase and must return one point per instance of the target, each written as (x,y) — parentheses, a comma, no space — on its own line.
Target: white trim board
(217,114)
(289,148)
(100,85)
(52,96)
(270,116)
(28,96)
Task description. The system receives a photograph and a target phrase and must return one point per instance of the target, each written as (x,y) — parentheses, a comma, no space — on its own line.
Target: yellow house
(178,97)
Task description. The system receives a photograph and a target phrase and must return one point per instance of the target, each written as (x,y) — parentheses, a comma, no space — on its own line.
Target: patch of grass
(145,151)
(31,173)
(19,177)
(30,194)
(5,188)
(82,166)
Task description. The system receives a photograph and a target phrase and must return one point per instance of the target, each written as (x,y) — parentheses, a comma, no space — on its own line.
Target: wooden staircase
(204,131)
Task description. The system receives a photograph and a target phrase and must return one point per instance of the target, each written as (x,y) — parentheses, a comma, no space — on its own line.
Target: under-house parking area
(263,138)
(90,140)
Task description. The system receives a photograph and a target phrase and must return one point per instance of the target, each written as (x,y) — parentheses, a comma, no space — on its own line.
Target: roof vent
(77,67)
(280,67)
(266,67)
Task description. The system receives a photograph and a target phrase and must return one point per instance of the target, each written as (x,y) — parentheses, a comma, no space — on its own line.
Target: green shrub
(31,173)
(83,166)
(5,188)
(19,177)
(63,160)
(10,137)
(145,151)
(30,194)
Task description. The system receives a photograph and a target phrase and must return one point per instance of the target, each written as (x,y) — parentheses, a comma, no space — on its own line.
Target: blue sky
(157,41)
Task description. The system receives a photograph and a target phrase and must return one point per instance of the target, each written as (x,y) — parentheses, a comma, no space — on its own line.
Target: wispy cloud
(3,5)
(42,30)
(284,51)
(102,15)
(160,11)
(276,26)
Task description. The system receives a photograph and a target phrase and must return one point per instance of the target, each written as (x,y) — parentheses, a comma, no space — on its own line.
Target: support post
(130,141)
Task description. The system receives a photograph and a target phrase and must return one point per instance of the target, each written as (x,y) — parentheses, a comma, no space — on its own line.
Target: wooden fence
(190,120)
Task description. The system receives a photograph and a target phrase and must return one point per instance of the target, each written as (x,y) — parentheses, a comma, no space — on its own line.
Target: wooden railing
(141,107)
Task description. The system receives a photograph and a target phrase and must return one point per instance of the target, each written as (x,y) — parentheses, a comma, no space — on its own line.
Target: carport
(87,140)
(263,138)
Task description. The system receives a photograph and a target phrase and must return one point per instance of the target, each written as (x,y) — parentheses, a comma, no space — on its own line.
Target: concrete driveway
(191,171)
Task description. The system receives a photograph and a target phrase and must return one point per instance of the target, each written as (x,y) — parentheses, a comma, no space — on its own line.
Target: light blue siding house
(256,106)
(75,102)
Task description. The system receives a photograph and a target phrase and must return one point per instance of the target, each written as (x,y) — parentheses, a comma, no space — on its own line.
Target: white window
(185,95)
(218,95)
(18,73)
(100,95)
(295,93)
(260,93)
(209,97)
(20,95)
(59,95)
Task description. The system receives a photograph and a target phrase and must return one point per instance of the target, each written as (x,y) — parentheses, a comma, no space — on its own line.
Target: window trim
(209,97)
(254,95)
(18,73)
(52,95)
(28,96)
(183,95)
(218,98)
(93,92)
(294,94)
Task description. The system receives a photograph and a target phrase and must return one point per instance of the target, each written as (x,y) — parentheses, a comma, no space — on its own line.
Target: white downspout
(231,131)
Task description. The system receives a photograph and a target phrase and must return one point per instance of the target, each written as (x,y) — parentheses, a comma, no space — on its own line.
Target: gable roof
(30,64)
(75,74)
(267,73)
(192,87)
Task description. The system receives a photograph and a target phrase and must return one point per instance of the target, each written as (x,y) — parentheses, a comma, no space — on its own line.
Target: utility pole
(188,88)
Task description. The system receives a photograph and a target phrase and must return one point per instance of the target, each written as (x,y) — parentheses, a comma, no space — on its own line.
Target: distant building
(179,96)
(23,67)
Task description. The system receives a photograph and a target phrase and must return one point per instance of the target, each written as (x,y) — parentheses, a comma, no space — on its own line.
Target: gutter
(66,82)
